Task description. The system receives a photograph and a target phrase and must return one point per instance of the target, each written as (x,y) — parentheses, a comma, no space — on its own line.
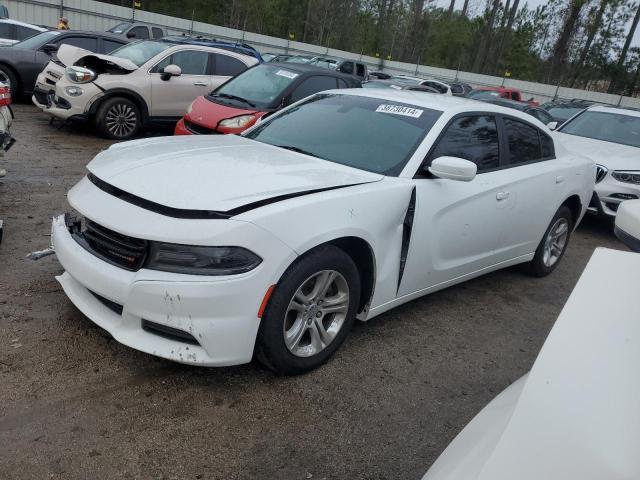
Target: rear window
(371,134)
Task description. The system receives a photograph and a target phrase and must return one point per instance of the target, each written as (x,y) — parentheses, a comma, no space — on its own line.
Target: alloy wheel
(121,120)
(555,242)
(316,313)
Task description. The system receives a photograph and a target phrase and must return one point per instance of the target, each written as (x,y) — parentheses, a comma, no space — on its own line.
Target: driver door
(457,225)
(170,98)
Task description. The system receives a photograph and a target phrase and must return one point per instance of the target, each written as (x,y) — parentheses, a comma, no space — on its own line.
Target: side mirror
(49,48)
(627,226)
(170,71)
(552,125)
(131,34)
(453,168)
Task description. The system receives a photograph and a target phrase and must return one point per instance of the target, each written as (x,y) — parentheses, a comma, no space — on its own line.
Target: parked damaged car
(208,249)
(144,83)
(255,94)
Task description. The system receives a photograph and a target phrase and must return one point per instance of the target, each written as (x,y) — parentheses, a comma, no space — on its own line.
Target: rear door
(170,98)
(535,189)
(457,225)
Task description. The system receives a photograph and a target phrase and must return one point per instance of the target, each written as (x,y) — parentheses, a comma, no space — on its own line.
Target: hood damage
(106,64)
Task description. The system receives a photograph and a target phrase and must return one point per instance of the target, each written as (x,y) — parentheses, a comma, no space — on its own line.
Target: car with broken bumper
(210,249)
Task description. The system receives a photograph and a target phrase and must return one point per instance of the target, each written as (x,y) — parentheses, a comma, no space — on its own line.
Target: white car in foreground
(611,138)
(575,415)
(345,204)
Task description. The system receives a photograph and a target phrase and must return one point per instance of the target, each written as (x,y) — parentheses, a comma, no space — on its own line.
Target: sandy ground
(76,404)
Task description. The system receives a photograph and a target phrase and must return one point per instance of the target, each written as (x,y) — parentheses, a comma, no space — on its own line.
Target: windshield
(141,52)
(484,94)
(609,127)
(120,28)
(563,112)
(371,134)
(259,86)
(37,41)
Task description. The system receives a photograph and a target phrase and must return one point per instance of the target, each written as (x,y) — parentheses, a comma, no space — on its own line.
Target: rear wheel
(310,312)
(118,119)
(553,244)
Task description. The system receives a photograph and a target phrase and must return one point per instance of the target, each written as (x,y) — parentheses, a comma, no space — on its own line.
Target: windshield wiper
(233,97)
(298,150)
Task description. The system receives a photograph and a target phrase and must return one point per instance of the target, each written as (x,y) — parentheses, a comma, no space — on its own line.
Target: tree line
(575,43)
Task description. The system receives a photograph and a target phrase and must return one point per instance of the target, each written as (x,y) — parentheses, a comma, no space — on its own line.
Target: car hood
(576,415)
(208,114)
(68,54)
(95,59)
(612,155)
(216,173)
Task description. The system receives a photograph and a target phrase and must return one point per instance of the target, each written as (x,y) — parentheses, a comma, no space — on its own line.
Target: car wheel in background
(553,244)
(310,312)
(7,76)
(118,118)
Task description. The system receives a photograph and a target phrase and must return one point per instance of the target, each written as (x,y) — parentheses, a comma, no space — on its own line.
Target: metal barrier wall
(93,15)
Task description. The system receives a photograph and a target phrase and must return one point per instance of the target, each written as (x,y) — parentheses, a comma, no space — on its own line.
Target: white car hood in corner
(68,54)
(576,415)
(614,156)
(216,173)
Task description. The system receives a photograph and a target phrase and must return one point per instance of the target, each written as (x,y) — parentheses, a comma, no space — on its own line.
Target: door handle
(501,196)
(200,84)
(559,179)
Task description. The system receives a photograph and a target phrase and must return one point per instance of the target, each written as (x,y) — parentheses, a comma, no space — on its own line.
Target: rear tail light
(5,96)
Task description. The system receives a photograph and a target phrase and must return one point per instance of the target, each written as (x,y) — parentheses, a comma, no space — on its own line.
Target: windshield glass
(120,28)
(483,94)
(563,112)
(37,40)
(141,52)
(610,127)
(261,86)
(371,134)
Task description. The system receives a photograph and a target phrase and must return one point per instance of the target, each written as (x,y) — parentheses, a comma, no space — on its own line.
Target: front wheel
(118,119)
(310,312)
(553,244)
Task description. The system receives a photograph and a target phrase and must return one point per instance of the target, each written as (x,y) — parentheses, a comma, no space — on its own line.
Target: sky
(477,5)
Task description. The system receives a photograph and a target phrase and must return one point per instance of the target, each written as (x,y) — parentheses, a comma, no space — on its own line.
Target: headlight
(238,122)
(80,74)
(627,176)
(74,91)
(196,260)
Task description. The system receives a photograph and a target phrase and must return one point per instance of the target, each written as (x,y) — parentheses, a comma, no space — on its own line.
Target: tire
(550,251)
(14,85)
(287,314)
(118,118)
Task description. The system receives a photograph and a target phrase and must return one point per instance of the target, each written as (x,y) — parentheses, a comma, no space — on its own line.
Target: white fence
(93,15)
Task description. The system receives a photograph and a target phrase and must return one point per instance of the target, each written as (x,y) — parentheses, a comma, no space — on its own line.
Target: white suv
(151,81)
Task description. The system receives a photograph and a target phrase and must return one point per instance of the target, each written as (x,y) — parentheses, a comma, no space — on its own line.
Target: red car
(501,92)
(255,93)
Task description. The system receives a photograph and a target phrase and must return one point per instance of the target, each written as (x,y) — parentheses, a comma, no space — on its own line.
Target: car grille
(601,172)
(112,247)
(198,129)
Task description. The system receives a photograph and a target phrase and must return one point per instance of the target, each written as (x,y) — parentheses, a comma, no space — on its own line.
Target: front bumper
(220,313)
(609,194)
(63,106)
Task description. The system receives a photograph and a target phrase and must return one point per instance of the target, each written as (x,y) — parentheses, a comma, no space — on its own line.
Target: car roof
(632,112)
(237,47)
(91,33)
(24,24)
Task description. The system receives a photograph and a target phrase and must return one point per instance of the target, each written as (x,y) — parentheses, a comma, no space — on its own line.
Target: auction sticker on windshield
(399,110)
(287,74)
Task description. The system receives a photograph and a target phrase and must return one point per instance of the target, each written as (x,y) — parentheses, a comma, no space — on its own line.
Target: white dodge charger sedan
(206,250)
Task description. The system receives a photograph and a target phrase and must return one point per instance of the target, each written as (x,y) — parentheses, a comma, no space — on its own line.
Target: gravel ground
(76,404)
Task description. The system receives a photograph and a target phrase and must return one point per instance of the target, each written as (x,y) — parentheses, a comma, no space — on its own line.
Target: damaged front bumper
(207,321)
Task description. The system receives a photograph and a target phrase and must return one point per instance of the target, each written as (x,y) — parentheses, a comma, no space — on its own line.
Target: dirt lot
(76,404)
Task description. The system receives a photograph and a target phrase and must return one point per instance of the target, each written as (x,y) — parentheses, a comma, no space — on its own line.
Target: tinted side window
(436,86)
(456,89)
(474,138)
(347,67)
(140,32)
(547,146)
(360,69)
(6,31)
(228,66)
(541,115)
(88,43)
(24,32)
(524,142)
(312,85)
(157,32)
(109,46)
